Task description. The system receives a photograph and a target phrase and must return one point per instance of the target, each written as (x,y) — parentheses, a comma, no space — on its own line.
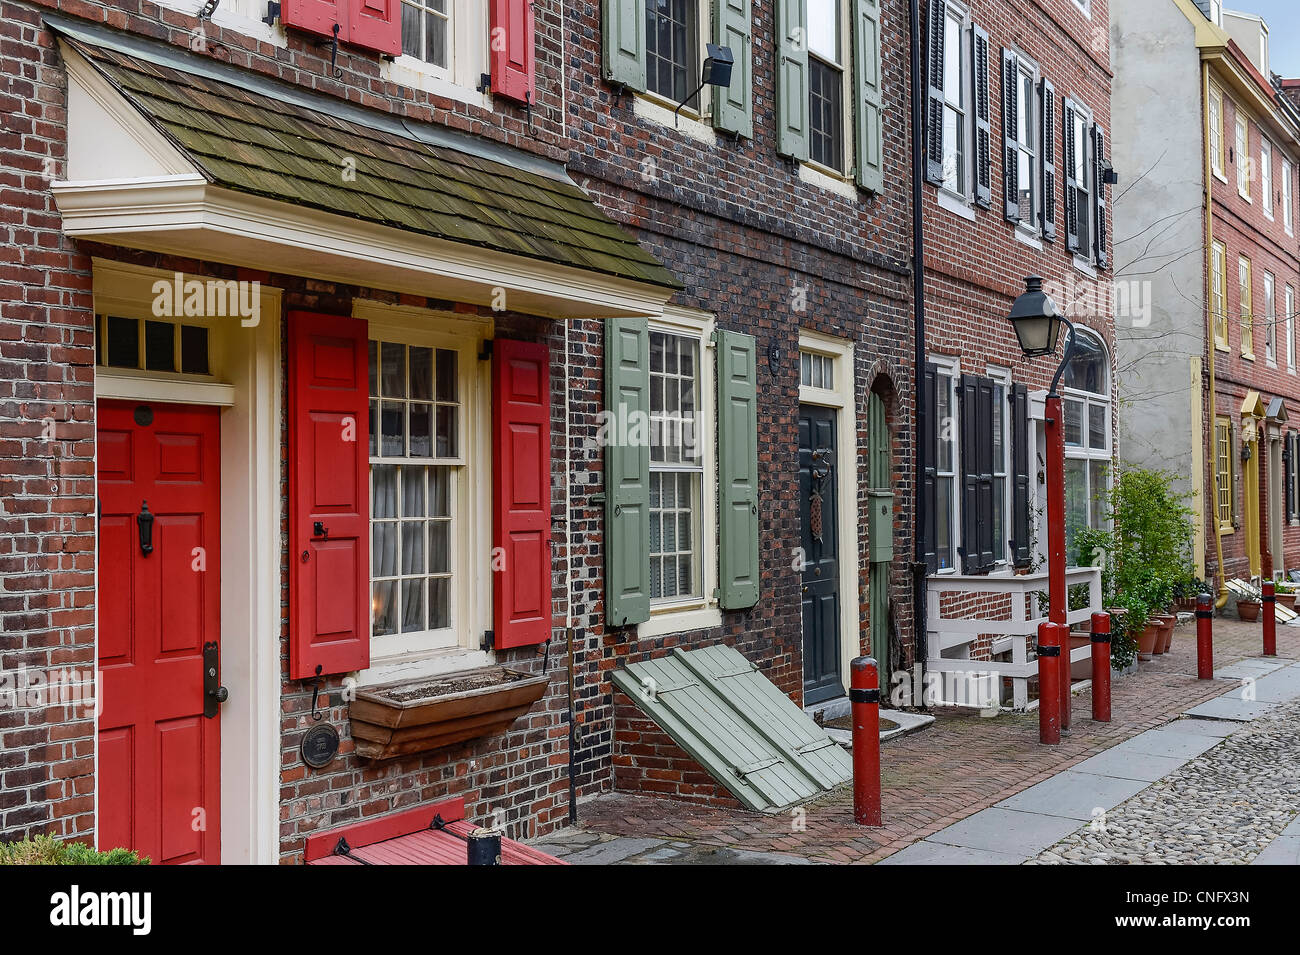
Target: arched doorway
(880,533)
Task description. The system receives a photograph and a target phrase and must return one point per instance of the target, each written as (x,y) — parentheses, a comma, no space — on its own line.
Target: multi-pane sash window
(1082,178)
(1288,196)
(414,443)
(1026,138)
(1218,289)
(1247,308)
(1223,470)
(672,42)
(1289,305)
(1087,437)
(955,68)
(825,84)
(946,517)
(1270,318)
(1243,156)
(676,468)
(1217,151)
(1266,175)
(426,31)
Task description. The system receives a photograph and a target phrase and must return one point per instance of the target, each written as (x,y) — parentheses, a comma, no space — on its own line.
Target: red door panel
(159,758)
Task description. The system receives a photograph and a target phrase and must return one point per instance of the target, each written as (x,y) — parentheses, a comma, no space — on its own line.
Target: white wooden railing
(960,681)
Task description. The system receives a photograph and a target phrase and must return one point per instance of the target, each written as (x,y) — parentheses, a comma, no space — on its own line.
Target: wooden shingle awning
(427,835)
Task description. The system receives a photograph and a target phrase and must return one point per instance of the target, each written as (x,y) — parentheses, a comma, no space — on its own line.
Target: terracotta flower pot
(1147,640)
(1167,623)
(1287,600)
(1248,610)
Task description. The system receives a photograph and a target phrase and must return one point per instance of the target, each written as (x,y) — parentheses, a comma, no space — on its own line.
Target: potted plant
(1286,593)
(1248,609)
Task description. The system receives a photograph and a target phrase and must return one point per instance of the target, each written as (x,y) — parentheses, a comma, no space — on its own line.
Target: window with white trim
(676,468)
(1289,305)
(816,370)
(827,76)
(1087,407)
(1217,145)
(1270,318)
(1243,156)
(1028,117)
(672,49)
(1288,196)
(1245,297)
(1223,469)
(947,520)
(1082,175)
(427,30)
(1266,175)
(1218,293)
(956,113)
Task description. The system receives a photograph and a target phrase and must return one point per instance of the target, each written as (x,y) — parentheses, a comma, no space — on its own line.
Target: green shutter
(792,78)
(733,107)
(623,32)
(737,470)
(867,117)
(627,471)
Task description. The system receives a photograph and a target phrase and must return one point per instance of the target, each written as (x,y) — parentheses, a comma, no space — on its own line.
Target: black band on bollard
(1269,598)
(1101,638)
(1049,651)
(864,696)
(1202,614)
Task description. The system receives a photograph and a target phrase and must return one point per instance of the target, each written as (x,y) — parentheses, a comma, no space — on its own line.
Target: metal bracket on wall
(272,13)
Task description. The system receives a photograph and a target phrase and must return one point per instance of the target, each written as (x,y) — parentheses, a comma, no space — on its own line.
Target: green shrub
(46,850)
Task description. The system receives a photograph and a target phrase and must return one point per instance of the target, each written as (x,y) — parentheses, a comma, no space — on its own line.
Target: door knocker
(820,472)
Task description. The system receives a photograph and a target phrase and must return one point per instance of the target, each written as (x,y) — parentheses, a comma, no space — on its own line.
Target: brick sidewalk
(961,764)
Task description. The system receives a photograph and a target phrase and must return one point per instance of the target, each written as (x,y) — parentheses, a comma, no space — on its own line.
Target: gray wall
(1159,229)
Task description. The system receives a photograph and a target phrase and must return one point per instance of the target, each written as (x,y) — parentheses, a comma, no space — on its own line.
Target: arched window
(1088,447)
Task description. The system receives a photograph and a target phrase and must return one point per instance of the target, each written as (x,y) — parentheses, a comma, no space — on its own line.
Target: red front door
(159,603)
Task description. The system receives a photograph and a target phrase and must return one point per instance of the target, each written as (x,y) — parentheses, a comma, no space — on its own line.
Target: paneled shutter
(738,570)
(928,437)
(984,459)
(1049,160)
(934,94)
(511,57)
(622,31)
(1021,552)
(627,471)
(1011,158)
(867,112)
(521,493)
(792,78)
(967,408)
(316,16)
(983,117)
(1070,156)
(329,599)
(733,107)
(1102,233)
(1288,462)
(376,25)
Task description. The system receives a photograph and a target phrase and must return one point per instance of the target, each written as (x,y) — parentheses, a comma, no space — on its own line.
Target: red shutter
(316,16)
(511,65)
(521,493)
(376,25)
(329,600)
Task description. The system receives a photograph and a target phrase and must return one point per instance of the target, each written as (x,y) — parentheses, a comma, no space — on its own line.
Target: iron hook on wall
(333,46)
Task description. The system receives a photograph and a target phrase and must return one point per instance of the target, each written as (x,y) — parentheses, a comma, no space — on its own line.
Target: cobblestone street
(954,769)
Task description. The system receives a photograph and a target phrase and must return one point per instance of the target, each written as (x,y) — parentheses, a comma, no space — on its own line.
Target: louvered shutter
(622,30)
(733,106)
(980,102)
(1070,156)
(376,25)
(1011,153)
(1287,459)
(792,78)
(934,95)
(967,408)
(928,437)
(521,493)
(329,597)
(316,16)
(1020,548)
(1048,130)
(984,460)
(1101,230)
(511,54)
(738,568)
(627,471)
(868,106)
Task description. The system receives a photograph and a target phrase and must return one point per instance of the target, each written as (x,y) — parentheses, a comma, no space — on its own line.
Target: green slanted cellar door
(745,732)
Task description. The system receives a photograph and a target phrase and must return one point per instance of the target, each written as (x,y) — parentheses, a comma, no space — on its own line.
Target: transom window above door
(149,345)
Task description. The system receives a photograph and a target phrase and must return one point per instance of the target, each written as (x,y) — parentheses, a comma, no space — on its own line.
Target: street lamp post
(1038,323)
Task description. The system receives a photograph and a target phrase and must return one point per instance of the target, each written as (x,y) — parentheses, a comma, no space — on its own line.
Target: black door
(819,515)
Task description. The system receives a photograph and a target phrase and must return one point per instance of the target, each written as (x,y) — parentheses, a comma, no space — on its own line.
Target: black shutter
(968,410)
(984,458)
(983,118)
(1099,192)
(1020,542)
(1069,155)
(929,467)
(1286,475)
(1049,160)
(934,96)
(1010,107)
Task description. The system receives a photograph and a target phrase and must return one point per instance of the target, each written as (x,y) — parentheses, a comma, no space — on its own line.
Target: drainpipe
(919,615)
(1222,600)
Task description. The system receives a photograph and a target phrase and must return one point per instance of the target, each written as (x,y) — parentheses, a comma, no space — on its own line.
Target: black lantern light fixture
(1036,319)
(716,71)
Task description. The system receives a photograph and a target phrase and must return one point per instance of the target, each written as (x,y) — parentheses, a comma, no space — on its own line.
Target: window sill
(1025,237)
(826,179)
(691,126)
(416,666)
(1248,356)
(1222,176)
(1223,347)
(413,73)
(1085,266)
(679,619)
(956,205)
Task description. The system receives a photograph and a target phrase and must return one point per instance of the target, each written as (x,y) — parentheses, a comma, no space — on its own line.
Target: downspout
(1222,600)
(919,615)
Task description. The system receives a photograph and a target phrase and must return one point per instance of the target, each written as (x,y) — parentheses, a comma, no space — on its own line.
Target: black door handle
(214,694)
(144,524)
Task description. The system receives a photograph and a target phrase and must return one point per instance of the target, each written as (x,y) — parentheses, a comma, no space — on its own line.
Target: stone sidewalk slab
(1007,831)
(1168,742)
(1071,795)
(1280,686)
(1284,850)
(1194,726)
(1230,707)
(1251,667)
(936,853)
(1127,764)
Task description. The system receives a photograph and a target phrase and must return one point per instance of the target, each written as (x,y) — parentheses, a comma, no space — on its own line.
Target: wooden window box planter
(417,716)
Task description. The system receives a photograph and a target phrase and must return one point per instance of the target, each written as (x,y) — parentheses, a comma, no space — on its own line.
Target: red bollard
(1049,683)
(1101,667)
(864,696)
(1270,619)
(1067,683)
(1204,637)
